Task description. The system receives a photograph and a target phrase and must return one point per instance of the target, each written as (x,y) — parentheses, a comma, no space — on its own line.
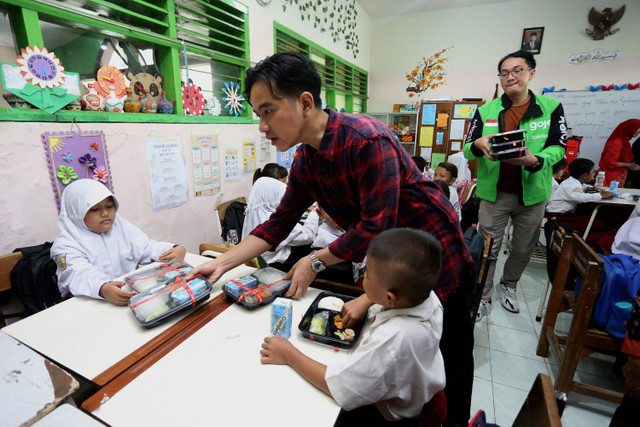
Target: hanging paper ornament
(233,99)
(41,80)
(214,106)
(100,174)
(192,99)
(631,86)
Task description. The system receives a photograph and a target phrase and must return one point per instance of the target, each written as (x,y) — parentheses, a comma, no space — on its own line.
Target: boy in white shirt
(397,371)
(557,172)
(448,172)
(574,191)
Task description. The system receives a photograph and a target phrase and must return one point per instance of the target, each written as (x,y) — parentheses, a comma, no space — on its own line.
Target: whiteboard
(594,115)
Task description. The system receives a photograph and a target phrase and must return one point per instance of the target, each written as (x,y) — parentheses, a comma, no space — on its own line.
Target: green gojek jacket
(546,138)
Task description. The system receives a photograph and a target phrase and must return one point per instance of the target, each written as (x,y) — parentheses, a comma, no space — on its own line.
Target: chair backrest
(540,409)
(483,270)
(7,262)
(471,191)
(222,207)
(557,240)
(591,267)
(222,249)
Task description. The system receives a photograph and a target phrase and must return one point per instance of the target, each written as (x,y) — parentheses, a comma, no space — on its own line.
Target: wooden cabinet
(403,125)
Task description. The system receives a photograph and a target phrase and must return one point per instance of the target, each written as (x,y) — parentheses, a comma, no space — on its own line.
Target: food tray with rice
(259,288)
(159,302)
(322,323)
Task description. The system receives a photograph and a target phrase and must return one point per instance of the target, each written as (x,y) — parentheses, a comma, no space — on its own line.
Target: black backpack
(469,213)
(232,223)
(34,279)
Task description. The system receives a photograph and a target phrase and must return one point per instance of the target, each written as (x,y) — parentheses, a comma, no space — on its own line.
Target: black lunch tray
(329,338)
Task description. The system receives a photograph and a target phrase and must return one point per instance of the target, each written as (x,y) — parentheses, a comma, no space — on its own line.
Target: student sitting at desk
(617,158)
(266,194)
(556,172)
(574,191)
(397,371)
(95,244)
(448,172)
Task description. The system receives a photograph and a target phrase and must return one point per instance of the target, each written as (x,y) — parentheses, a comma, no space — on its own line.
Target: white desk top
(30,385)
(215,378)
(87,336)
(67,415)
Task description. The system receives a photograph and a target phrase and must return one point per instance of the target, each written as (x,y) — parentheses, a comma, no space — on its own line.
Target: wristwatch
(316,265)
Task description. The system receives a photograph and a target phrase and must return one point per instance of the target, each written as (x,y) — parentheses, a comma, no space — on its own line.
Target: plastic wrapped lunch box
(148,278)
(157,303)
(259,288)
(322,331)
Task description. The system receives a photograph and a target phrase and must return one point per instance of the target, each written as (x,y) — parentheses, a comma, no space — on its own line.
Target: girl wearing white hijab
(95,244)
(264,199)
(458,159)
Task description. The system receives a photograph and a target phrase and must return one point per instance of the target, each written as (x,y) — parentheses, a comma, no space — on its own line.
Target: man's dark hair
(444,187)
(410,262)
(287,75)
(420,161)
(449,167)
(527,56)
(271,170)
(561,165)
(580,166)
(533,35)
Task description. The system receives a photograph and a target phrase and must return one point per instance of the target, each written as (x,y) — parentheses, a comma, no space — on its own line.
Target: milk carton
(281,313)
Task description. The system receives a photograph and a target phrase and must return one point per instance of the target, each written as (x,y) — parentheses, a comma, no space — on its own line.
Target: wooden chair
(7,262)
(540,409)
(582,340)
(257,262)
(483,271)
(222,207)
(557,241)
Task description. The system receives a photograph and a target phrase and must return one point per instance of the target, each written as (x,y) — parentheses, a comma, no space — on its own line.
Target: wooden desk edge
(206,310)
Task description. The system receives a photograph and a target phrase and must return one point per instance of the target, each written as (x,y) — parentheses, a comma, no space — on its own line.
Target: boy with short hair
(572,192)
(448,172)
(556,172)
(397,371)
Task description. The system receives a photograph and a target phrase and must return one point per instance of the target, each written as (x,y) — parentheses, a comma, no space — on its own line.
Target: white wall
(481,35)
(27,201)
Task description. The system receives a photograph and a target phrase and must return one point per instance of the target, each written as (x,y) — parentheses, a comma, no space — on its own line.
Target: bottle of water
(600,180)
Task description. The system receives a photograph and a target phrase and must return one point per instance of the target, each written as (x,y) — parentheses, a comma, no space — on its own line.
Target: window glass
(8,53)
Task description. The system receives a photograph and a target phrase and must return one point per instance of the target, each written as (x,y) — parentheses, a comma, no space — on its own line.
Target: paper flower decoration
(94,146)
(66,174)
(90,161)
(631,86)
(233,99)
(607,88)
(67,157)
(100,174)
(41,67)
(594,88)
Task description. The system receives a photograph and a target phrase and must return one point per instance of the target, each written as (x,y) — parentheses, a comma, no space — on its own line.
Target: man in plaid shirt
(356,171)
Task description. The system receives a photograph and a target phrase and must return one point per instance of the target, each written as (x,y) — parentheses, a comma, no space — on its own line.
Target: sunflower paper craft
(66,174)
(100,174)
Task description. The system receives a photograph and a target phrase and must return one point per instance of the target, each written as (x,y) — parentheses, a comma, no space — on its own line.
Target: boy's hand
(276,351)
(113,292)
(174,253)
(355,310)
(607,195)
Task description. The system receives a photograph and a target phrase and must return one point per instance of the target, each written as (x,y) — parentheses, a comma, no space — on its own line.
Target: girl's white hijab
(116,251)
(265,197)
(461,162)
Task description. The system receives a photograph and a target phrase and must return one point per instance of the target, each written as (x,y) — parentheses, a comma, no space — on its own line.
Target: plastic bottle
(600,179)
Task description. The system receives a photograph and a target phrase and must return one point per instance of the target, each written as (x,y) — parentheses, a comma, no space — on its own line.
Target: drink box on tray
(322,323)
(159,302)
(259,288)
(509,145)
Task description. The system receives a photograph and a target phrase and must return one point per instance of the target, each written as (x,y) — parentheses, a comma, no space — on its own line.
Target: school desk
(611,202)
(30,385)
(67,415)
(215,377)
(98,340)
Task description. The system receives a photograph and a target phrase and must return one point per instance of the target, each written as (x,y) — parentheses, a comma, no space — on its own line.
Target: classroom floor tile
(506,363)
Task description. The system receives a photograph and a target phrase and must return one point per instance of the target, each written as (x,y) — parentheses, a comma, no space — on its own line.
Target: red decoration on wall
(192,99)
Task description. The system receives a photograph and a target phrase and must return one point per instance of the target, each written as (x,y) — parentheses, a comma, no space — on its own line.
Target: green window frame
(343,84)
(217,30)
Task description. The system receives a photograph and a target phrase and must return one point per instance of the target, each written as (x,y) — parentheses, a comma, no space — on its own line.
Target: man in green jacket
(514,188)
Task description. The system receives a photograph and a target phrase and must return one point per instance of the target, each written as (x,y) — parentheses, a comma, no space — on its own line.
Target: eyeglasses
(516,72)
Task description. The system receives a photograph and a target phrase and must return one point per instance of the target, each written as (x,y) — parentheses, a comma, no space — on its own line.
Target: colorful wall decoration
(75,155)
(428,74)
(337,17)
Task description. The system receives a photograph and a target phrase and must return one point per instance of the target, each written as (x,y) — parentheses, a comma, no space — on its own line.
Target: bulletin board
(75,155)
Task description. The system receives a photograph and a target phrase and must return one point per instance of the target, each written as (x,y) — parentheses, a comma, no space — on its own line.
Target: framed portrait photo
(532,40)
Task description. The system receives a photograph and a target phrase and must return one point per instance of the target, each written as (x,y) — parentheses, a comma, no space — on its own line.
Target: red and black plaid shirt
(363,178)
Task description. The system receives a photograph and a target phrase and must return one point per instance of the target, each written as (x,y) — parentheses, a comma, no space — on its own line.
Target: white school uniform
(87,260)
(455,200)
(264,198)
(397,365)
(627,240)
(569,195)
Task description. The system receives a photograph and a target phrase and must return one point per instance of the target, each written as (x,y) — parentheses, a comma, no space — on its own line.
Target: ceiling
(377,9)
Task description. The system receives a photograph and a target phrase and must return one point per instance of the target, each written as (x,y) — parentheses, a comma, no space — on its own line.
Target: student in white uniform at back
(448,172)
(96,245)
